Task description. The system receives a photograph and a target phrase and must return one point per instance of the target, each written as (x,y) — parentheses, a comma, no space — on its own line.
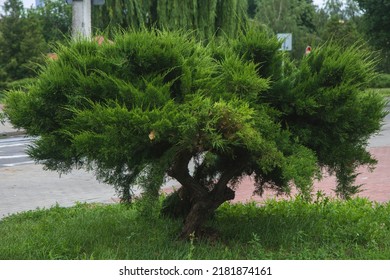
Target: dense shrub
(143,107)
(381,81)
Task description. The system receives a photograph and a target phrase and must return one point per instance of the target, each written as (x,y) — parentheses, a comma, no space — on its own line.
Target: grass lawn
(325,229)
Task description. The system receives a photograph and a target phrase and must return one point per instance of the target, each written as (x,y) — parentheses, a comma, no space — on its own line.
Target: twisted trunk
(201,210)
(194,201)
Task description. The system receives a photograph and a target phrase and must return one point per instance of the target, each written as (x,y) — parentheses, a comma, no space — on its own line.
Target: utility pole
(81,19)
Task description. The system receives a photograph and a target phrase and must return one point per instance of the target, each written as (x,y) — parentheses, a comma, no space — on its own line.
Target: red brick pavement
(376,184)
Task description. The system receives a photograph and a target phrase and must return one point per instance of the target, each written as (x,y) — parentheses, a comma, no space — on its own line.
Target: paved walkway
(376,184)
(28,187)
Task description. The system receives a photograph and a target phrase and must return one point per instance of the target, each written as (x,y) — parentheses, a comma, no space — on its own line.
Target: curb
(12,133)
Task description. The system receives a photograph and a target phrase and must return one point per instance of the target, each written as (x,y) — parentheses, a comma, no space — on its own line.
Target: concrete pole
(81,19)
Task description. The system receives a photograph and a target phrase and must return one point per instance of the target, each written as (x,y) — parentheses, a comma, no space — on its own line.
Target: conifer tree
(142,108)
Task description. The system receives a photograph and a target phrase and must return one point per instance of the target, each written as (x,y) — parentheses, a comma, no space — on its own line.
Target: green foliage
(333,82)
(381,81)
(286,16)
(325,229)
(163,85)
(345,32)
(15,85)
(130,13)
(21,43)
(321,102)
(385,92)
(377,26)
(205,18)
(20,84)
(324,108)
(55,18)
(142,107)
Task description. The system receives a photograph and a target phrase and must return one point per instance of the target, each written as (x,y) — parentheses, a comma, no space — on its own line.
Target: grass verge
(325,229)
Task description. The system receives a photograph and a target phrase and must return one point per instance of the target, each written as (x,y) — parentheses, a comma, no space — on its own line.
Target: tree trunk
(196,218)
(202,209)
(198,198)
(177,204)
(194,212)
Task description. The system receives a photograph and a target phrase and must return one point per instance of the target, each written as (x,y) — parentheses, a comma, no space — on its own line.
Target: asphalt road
(13,151)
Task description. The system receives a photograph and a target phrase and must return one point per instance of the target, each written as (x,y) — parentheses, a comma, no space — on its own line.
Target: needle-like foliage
(155,104)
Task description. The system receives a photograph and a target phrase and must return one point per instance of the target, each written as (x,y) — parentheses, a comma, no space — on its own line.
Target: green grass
(356,229)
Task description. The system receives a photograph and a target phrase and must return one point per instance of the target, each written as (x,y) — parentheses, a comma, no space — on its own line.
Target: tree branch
(180,172)
(221,191)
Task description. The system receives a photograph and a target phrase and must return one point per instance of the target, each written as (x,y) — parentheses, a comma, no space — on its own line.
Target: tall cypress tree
(206,18)
(121,13)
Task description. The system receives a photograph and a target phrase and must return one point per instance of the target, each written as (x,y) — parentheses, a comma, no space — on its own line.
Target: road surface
(13,151)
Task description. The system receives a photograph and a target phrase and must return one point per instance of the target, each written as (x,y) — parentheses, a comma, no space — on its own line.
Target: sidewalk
(376,184)
(28,187)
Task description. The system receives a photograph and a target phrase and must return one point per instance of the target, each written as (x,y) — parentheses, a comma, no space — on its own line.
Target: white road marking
(13,156)
(13,145)
(18,163)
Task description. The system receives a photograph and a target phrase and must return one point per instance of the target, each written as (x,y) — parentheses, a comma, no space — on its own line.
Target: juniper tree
(144,107)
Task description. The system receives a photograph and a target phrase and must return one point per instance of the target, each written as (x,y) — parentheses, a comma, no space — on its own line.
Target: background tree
(343,9)
(144,107)
(286,16)
(342,22)
(376,16)
(334,8)
(21,42)
(55,17)
(122,13)
(206,18)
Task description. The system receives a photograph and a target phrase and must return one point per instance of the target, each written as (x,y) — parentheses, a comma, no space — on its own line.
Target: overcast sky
(27,3)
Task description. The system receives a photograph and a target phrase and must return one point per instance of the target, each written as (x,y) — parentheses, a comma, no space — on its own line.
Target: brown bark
(200,200)
(201,211)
